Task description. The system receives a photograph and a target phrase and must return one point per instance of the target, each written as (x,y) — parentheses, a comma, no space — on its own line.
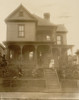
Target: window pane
(58,37)
(48,37)
(21,30)
(21,34)
(59,40)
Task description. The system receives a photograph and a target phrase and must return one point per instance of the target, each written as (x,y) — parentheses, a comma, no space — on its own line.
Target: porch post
(60,52)
(71,52)
(36,64)
(7,53)
(21,47)
(51,54)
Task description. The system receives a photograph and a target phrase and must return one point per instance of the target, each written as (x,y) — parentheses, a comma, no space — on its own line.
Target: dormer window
(48,38)
(59,40)
(21,30)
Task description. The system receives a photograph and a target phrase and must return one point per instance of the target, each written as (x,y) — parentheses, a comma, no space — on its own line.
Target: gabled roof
(15,15)
(42,21)
(27,16)
(61,28)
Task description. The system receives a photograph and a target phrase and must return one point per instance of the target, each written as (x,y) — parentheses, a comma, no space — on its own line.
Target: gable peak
(21,6)
(20,13)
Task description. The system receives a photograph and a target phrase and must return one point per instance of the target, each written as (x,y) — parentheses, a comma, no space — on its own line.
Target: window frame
(48,38)
(59,40)
(21,30)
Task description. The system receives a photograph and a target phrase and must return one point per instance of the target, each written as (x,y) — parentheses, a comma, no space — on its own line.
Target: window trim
(21,31)
(59,40)
(48,38)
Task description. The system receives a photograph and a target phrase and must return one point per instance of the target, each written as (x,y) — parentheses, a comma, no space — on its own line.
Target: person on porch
(51,64)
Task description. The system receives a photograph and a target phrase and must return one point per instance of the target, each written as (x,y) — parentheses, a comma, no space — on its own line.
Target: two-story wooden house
(33,41)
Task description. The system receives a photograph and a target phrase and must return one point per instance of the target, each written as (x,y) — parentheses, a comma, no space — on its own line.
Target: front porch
(34,59)
(35,53)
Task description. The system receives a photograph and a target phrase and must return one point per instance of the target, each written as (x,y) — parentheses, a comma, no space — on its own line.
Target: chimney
(47,16)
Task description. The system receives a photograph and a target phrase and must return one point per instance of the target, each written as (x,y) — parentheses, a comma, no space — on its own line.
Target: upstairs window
(21,30)
(59,40)
(48,38)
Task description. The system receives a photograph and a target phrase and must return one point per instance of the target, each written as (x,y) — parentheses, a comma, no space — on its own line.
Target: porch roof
(37,44)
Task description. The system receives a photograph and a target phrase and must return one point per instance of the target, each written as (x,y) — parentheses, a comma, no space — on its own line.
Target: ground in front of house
(69,91)
(67,86)
(38,96)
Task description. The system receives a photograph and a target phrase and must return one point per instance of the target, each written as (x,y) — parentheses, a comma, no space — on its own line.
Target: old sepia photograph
(39,50)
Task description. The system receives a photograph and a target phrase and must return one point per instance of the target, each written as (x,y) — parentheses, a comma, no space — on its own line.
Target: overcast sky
(61,11)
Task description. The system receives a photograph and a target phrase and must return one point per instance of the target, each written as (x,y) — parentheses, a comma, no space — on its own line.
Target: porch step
(52,80)
(28,85)
(48,83)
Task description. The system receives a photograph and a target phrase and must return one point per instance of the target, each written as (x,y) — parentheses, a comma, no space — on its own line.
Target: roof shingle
(61,28)
(43,22)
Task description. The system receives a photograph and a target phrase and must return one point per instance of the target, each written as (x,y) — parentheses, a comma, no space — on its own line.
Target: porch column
(71,52)
(8,53)
(51,54)
(36,64)
(59,52)
(21,47)
(59,55)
